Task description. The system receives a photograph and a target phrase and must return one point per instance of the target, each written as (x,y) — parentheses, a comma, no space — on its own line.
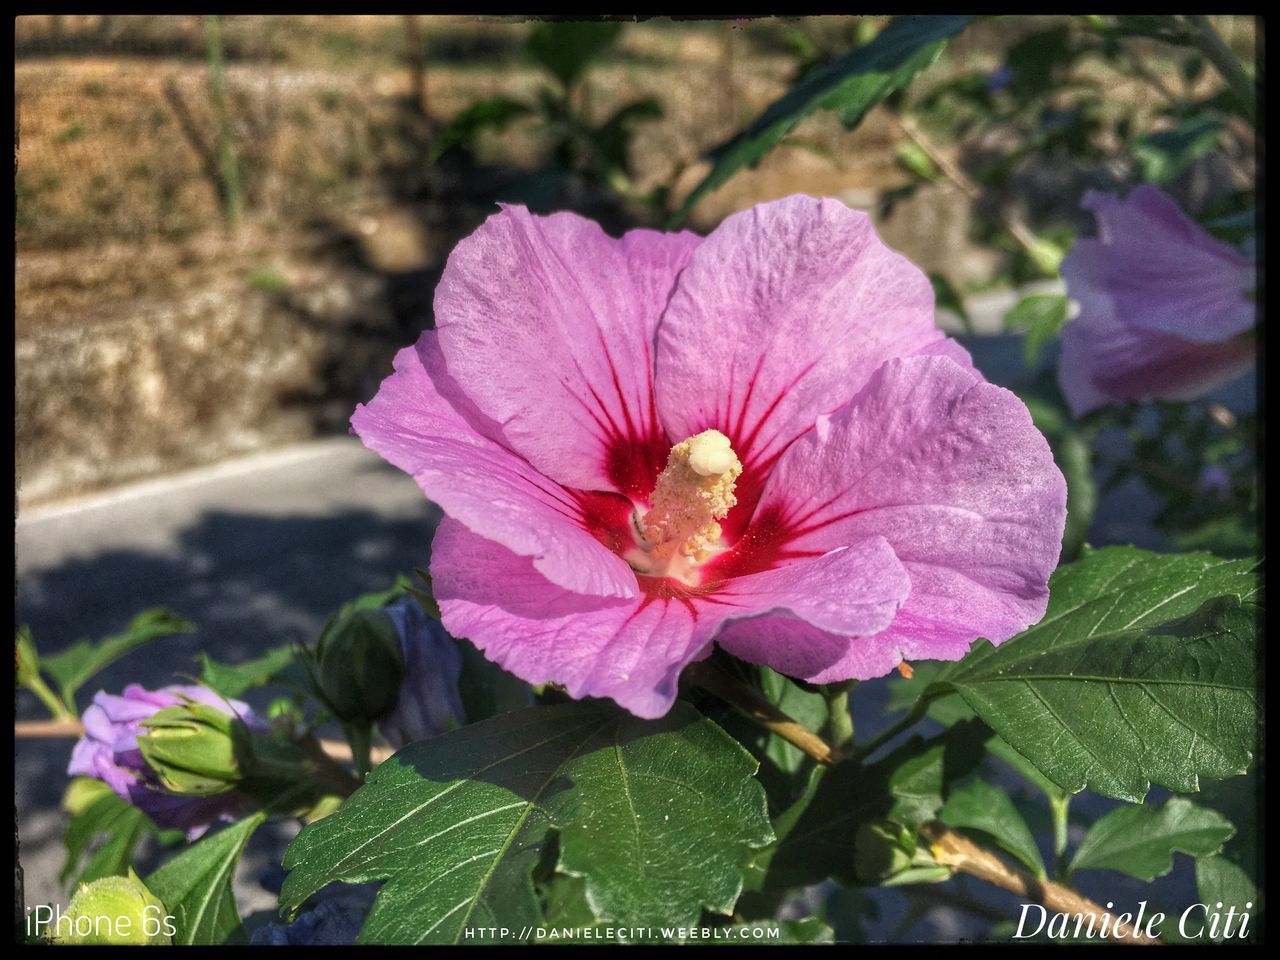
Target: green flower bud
(115,910)
(195,750)
(878,852)
(360,665)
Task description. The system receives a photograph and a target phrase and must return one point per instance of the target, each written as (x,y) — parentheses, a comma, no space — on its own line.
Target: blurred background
(226,226)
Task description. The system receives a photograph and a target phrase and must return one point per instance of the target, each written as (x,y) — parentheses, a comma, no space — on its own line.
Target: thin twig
(751,703)
(1010,220)
(954,850)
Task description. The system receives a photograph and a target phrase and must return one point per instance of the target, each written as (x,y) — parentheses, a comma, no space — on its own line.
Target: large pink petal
(951,472)
(781,315)
(805,617)
(633,651)
(547,324)
(420,421)
(629,650)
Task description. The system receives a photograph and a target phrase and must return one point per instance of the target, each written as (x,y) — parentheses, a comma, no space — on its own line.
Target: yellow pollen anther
(692,494)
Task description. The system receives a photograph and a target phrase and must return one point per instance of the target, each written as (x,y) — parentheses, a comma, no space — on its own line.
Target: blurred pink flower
(647,445)
(1163,308)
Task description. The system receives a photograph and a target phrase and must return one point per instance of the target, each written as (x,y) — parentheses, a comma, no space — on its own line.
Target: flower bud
(360,665)
(878,852)
(109,751)
(195,750)
(428,703)
(115,910)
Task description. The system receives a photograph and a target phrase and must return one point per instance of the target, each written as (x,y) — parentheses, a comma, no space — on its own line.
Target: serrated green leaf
(980,806)
(71,668)
(1133,676)
(196,886)
(850,85)
(1140,841)
(1218,880)
(658,817)
(232,680)
(906,787)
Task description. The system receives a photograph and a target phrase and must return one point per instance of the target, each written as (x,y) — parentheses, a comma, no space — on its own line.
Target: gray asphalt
(257,552)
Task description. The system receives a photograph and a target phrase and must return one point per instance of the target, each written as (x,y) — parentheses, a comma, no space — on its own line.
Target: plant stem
(954,850)
(327,767)
(1208,42)
(360,736)
(751,703)
(336,750)
(840,717)
(230,166)
(1058,806)
(62,713)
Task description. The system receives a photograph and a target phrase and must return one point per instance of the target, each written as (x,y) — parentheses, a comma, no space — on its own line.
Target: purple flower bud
(109,752)
(429,703)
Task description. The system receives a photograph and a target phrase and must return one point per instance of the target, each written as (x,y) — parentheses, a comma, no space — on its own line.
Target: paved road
(258,551)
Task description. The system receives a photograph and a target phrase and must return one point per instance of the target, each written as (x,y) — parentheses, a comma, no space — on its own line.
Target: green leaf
(850,85)
(907,787)
(612,139)
(1218,880)
(95,810)
(196,886)
(1040,316)
(913,159)
(485,689)
(567,46)
(71,668)
(658,817)
(1140,841)
(1133,677)
(27,664)
(493,113)
(1073,453)
(1162,156)
(980,806)
(232,680)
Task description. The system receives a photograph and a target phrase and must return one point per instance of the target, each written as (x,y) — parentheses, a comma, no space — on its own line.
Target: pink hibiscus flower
(644,446)
(1163,310)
